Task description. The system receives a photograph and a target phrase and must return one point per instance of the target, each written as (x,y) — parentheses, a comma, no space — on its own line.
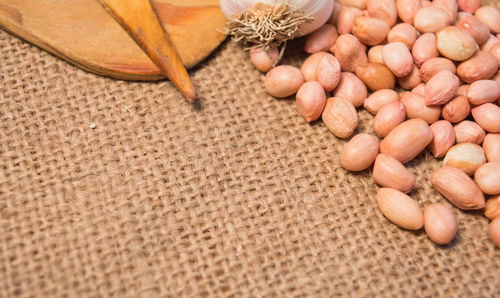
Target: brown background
(234,195)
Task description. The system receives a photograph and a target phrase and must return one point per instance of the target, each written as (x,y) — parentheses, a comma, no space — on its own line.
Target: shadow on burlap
(233,196)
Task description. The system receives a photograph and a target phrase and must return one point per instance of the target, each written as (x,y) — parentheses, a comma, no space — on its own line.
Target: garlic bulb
(264,22)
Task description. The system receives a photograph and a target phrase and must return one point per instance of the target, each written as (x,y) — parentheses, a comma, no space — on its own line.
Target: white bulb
(317,13)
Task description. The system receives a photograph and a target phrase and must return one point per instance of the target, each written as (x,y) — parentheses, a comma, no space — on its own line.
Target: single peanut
(490,16)
(350,53)
(494,231)
(458,188)
(379,98)
(346,17)
(359,153)
(407,9)
(370,31)
(431,19)
(424,48)
(441,88)
(309,68)
(321,40)
(388,117)
(340,117)
(390,172)
(397,58)
(384,10)
(263,58)
(469,5)
(400,209)
(492,209)
(456,109)
(487,116)
(466,157)
(328,72)
(415,107)
(376,76)
(487,178)
(407,140)
(444,138)
(311,100)
(455,43)
(481,66)
(283,81)
(491,146)
(434,65)
(483,91)
(450,6)
(419,89)
(411,80)
(469,132)
(404,33)
(477,29)
(440,223)
(351,88)
(375,54)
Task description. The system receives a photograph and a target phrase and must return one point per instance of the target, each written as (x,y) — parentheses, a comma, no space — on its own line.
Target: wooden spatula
(84,34)
(139,19)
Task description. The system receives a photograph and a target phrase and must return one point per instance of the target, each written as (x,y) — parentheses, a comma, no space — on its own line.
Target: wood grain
(139,19)
(84,34)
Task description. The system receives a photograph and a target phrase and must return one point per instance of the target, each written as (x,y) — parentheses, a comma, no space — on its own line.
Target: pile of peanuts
(445,58)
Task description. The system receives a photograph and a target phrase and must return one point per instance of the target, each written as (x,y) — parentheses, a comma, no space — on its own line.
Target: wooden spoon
(84,34)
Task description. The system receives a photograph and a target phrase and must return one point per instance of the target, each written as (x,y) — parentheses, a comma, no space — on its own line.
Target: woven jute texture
(115,188)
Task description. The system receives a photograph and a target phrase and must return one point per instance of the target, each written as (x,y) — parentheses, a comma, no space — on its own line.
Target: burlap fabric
(114,188)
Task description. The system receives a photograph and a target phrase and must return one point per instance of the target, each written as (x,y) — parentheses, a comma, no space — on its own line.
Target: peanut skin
(283,81)
(458,188)
(388,117)
(424,48)
(359,153)
(441,88)
(351,88)
(321,40)
(481,66)
(376,76)
(397,58)
(456,110)
(434,65)
(379,98)
(311,100)
(407,140)
(488,117)
(415,107)
(440,223)
(444,138)
(491,146)
(370,31)
(400,209)
(469,132)
(350,53)
(407,9)
(340,117)
(390,172)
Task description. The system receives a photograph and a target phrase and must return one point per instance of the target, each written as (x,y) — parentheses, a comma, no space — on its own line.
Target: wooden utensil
(139,19)
(84,34)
